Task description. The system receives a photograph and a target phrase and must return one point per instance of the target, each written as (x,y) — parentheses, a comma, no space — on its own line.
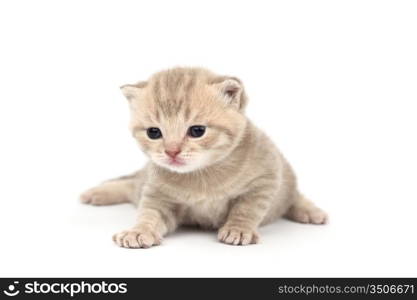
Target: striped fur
(233,177)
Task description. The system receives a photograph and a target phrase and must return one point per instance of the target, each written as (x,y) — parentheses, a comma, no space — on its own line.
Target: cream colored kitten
(209,165)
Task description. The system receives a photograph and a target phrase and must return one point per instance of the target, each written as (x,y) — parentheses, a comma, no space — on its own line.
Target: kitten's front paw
(137,238)
(234,235)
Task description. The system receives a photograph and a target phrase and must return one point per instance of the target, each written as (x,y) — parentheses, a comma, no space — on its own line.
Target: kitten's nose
(173,152)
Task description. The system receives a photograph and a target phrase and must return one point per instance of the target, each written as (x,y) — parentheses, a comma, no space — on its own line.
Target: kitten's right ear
(133,91)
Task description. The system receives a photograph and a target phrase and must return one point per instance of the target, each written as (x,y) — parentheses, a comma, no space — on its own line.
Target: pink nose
(172,152)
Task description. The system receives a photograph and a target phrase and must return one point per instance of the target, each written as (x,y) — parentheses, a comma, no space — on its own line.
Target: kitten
(209,165)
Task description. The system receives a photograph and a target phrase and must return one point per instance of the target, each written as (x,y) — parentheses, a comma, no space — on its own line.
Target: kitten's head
(187,119)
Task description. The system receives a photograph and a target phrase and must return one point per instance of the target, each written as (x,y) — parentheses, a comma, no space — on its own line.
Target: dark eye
(154,133)
(196,131)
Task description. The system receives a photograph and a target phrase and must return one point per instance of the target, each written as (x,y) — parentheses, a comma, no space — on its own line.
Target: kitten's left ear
(231,91)
(133,91)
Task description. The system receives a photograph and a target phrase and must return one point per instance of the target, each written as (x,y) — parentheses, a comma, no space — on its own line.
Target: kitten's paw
(95,197)
(101,195)
(137,238)
(234,235)
(307,215)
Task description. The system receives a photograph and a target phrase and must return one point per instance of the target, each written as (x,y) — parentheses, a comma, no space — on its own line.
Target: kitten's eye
(154,133)
(196,131)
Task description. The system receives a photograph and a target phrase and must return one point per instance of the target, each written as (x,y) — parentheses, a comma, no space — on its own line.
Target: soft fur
(232,178)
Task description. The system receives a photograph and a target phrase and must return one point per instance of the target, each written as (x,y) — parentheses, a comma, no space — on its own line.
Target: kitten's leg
(115,191)
(304,211)
(157,216)
(245,216)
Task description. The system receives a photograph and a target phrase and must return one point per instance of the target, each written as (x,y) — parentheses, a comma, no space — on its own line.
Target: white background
(334,83)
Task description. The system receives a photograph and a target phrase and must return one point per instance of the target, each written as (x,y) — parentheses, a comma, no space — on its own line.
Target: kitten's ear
(133,91)
(231,91)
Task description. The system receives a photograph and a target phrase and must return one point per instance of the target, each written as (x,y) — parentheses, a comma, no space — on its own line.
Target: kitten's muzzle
(172,153)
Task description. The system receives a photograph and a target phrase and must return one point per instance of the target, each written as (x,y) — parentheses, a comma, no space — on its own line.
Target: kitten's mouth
(176,162)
